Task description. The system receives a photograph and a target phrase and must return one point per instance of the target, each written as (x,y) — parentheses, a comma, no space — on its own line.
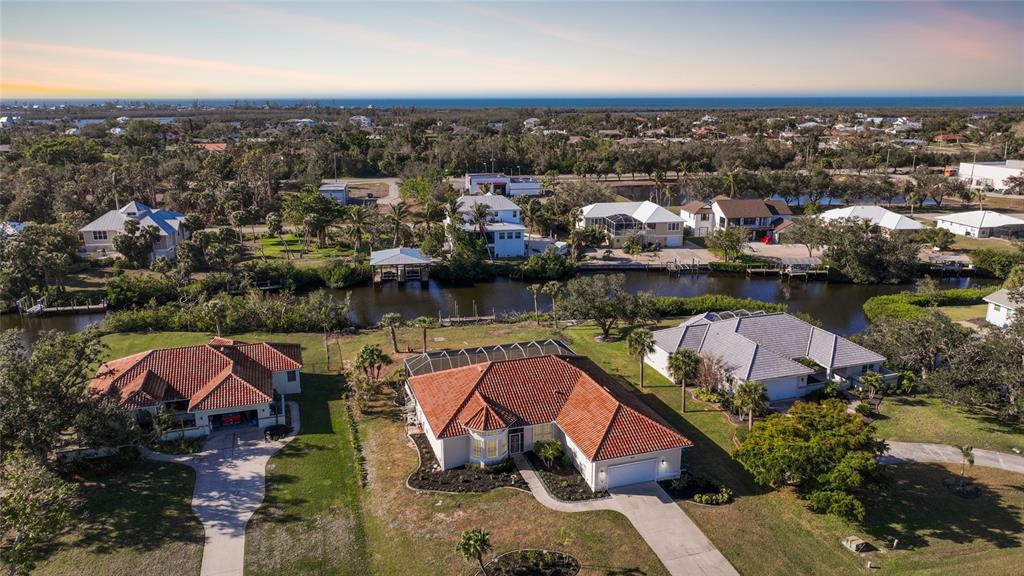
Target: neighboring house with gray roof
(98,235)
(1001,309)
(768,348)
(623,220)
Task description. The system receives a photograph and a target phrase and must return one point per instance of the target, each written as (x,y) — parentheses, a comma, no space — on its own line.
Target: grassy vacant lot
(927,419)
(316,520)
(972,312)
(291,245)
(138,521)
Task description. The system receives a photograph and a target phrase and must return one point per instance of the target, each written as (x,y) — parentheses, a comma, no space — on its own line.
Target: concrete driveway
(680,545)
(900,452)
(230,485)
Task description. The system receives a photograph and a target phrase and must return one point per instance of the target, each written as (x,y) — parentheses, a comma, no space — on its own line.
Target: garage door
(623,474)
(674,241)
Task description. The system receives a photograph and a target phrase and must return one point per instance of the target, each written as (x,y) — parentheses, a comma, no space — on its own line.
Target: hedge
(995,263)
(677,306)
(912,304)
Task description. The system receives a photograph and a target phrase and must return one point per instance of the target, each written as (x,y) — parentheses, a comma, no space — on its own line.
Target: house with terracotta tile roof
(482,412)
(225,382)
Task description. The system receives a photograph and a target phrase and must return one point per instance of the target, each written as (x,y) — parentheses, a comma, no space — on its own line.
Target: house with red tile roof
(483,412)
(222,383)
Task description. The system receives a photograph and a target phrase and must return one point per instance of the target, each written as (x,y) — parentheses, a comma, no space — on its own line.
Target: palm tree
(640,343)
(533,214)
(750,397)
(391,321)
(474,544)
(480,214)
(730,179)
(534,290)
(424,322)
(966,459)
(683,365)
(358,220)
(553,288)
(397,214)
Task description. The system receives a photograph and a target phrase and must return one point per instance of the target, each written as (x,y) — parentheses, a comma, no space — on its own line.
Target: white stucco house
(501,185)
(490,406)
(770,348)
(98,235)
(624,220)
(982,224)
(876,215)
(1001,310)
(506,234)
(699,218)
(206,387)
(990,175)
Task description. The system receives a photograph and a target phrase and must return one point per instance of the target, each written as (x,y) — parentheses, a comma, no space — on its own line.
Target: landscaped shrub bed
(470,478)
(533,563)
(700,490)
(563,481)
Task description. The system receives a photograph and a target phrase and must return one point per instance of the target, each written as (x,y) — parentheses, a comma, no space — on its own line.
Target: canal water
(837,306)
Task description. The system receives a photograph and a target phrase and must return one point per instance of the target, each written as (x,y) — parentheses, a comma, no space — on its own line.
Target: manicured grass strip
(963,313)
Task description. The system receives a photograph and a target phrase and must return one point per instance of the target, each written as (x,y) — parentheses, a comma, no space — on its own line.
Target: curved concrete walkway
(901,452)
(661,522)
(230,485)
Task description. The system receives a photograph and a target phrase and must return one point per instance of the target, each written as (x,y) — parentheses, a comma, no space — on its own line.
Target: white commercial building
(876,215)
(990,175)
(501,185)
(982,224)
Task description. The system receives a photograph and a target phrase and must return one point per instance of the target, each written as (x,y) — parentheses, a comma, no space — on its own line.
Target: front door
(515,441)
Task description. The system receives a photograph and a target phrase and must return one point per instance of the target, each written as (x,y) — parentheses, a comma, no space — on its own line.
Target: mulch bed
(563,482)
(534,563)
(467,479)
(693,485)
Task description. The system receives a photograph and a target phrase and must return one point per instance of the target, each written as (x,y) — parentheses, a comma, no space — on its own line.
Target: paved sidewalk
(674,538)
(230,485)
(901,452)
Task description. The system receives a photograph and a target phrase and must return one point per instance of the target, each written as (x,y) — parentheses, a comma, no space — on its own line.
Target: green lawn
(927,419)
(292,247)
(969,244)
(972,312)
(134,522)
(316,519)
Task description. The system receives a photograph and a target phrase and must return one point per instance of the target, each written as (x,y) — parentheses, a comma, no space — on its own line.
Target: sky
(186,49)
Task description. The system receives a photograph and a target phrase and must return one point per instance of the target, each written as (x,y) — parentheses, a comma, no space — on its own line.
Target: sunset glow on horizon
(255,50)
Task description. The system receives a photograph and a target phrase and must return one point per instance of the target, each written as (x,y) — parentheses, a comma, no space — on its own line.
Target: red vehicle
(229,419)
